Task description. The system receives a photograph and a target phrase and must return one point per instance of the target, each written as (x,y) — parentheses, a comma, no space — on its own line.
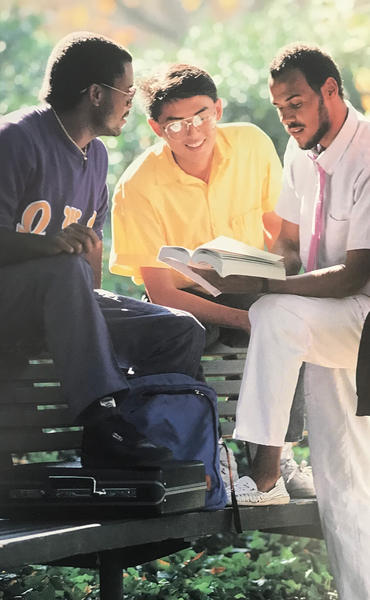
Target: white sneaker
(247,493)
(224,468)
(297,477)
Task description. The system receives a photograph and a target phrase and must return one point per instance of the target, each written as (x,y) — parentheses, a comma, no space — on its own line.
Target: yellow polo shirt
(156,203)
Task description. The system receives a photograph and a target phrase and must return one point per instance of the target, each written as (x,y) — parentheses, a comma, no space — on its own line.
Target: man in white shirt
(315,317)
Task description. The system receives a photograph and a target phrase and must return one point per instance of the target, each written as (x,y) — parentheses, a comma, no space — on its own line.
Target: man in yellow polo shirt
(196,184)
(200,181)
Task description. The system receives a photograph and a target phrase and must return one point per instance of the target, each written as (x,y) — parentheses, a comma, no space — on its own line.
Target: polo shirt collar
(330,157)
(172,171)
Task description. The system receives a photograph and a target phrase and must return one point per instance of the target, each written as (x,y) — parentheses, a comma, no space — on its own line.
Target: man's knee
(277,312)
(197,329)
(184,323)
(69,270)
(61,264)
(72,265)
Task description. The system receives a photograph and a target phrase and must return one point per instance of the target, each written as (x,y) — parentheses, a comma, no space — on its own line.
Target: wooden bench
(34,418)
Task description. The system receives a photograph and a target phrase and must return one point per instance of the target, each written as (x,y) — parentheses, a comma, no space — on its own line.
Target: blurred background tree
(233,39)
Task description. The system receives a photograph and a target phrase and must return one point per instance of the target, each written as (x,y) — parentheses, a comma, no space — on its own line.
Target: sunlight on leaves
(229,5)
(107,6)
(362,80)
(77,16)
(365,100)
(191,5)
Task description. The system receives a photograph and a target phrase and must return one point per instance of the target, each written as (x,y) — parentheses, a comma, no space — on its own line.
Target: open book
(227,257)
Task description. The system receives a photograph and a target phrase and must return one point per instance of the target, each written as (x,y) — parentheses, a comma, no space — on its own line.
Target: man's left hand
(232,284)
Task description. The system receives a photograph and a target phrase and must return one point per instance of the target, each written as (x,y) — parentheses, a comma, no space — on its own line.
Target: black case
(72,491)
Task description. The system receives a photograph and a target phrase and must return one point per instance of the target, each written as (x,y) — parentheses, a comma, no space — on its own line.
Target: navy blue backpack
(176,411)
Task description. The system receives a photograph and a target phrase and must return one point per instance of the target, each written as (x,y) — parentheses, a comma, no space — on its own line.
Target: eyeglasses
(180,128)
(130,94)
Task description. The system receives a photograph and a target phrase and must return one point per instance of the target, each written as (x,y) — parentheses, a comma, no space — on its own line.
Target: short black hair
(177,82)
(77,61)
(315,64)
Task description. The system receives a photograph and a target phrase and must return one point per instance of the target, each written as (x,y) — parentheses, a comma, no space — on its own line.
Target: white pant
(324,332)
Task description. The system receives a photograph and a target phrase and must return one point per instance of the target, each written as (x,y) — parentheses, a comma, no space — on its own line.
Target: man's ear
(219,108)
(330,88)
(95,93)
(156,127)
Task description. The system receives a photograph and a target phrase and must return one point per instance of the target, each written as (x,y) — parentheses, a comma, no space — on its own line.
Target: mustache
(294,126)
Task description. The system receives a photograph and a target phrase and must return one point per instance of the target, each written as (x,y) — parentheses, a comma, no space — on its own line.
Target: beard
(323,128)
(103,120)
(100,113)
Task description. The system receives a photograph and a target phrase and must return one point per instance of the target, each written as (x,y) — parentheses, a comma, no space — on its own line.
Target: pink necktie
(317,220)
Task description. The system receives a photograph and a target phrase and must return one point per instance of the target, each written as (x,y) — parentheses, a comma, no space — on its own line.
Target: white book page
(176,252)
(226,244)
(185,270)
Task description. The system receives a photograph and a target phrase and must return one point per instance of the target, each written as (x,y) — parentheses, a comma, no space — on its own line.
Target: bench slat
(225,387)
(46,542)
(227,409)
(31,372)
(21,442)
(28,416)
(227,428)
(51,394)
(19,400)
(32,395)
(219,349)
(223,367)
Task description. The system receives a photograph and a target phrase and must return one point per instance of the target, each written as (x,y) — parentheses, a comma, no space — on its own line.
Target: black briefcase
(47,491)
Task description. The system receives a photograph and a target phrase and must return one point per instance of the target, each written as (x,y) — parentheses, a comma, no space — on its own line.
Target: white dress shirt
(346,218)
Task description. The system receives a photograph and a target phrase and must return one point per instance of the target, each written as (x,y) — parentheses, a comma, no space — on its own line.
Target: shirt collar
(173,172)
(334,152)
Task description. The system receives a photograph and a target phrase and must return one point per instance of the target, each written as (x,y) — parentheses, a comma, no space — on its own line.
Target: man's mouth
(124,118)
(295,129)
(195,145)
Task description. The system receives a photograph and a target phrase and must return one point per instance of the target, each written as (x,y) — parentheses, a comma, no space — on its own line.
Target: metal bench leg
(111,576)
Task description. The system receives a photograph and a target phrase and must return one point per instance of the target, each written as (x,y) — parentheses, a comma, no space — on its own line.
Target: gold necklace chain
(83,152)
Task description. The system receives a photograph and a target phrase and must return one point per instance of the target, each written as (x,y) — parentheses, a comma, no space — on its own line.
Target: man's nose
(286,116)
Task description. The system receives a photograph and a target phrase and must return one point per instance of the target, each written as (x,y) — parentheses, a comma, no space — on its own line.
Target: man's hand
(232,284)
(74,239)
(17,247)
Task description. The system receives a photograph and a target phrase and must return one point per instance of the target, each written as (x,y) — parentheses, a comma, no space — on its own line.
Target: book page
(176,252)
(224,244)
(185,270)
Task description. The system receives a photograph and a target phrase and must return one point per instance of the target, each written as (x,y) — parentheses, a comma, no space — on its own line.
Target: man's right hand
(18,247)
(74,239)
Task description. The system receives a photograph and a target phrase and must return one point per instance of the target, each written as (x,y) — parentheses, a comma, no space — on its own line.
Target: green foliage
(116,283)
(24,49)
(49,583)
(237,53)
(252,566)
